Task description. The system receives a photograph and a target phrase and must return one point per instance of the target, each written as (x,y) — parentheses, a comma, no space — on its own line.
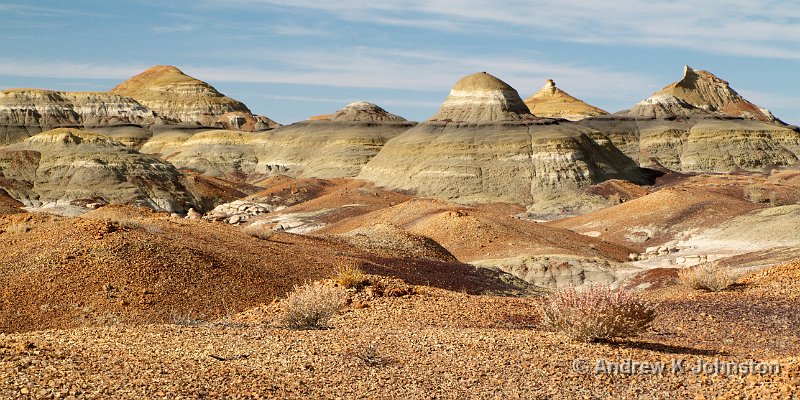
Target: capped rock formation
(182,98)
(704,91)
(482,97)
(26,112)
(552,102)
(73,167)
(497,151)
(333,147)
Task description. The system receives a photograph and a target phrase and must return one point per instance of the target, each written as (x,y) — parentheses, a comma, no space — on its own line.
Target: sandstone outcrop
(330,148)
(182,98)
(552,102)
(70,166)
(700,124)
(484,145)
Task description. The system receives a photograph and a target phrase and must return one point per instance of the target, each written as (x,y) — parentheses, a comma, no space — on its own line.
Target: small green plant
(707,276)
(597,313)
(312,306)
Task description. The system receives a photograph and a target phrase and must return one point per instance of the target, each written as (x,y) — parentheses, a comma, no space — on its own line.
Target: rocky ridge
(697,92)
(26,112)
(552,102)
(329,148)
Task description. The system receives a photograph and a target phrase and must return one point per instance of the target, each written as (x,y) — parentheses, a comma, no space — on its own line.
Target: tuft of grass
(259,231)
(707,276)
(597,313)
(312,306)
(350,276)
(187,319)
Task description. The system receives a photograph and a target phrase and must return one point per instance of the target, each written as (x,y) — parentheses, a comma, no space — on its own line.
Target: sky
(292,59)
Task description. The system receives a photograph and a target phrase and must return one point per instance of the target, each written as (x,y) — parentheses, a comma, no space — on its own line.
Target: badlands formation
(159,98)
(700,124)
(552,102)
(484,145)
(334,146)
(150,236)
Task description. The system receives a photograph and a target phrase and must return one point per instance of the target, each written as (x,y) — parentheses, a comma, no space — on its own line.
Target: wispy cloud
(178,28)
(374,68)
(767,29)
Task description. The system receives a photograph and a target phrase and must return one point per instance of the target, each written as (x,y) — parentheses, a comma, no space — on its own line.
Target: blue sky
(292,59)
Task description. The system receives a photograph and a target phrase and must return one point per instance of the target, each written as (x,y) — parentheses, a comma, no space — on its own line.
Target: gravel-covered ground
(432,344)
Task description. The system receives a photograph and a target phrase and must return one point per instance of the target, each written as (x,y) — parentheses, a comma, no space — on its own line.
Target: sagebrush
(312,306)
(707,276)
(597,313)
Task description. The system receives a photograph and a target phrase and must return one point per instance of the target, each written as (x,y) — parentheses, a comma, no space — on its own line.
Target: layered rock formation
(552,102)
(484,145)
(700,124)
(160,98)
(74,167)
(704,91)
(26,112)
(182,98)
(337,146)
(482,97)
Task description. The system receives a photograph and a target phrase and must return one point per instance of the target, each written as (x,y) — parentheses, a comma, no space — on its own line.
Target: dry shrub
(597,313)
(350,276)
(312,306)
(707,276)
(370,356)
(259,231)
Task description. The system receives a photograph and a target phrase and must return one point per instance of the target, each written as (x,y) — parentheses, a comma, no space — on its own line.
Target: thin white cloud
(767,29)
(372,68)
(178,28)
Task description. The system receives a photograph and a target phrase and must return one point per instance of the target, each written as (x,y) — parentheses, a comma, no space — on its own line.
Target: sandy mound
(552,102)
(122,265)
(398,242)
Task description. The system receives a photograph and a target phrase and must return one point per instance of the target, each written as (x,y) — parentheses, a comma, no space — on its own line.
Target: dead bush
(597,313)
(259,231)
(312,306)
(707,276)
(370,356)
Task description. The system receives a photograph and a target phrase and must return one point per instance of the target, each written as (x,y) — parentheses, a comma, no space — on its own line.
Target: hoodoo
(552,102)
(485,145)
